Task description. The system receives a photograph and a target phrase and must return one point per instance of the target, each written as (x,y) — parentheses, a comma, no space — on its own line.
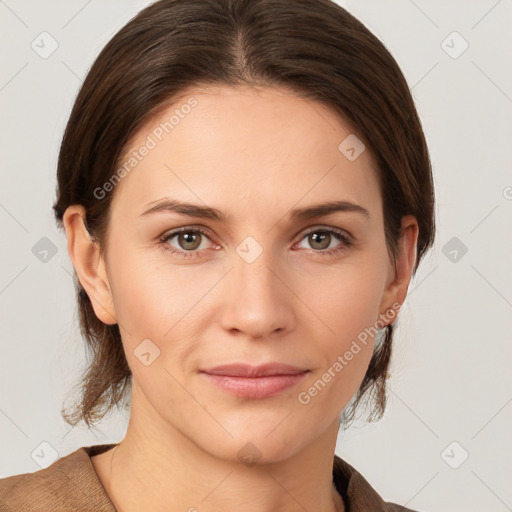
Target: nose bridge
(258,302)
(255,267)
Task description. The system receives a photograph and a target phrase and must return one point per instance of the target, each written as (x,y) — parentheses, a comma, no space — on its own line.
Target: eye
(321,239)
(189,241)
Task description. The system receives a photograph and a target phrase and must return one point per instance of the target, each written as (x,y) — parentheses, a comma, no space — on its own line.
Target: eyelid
(320,227)
(171,233)
(191,227)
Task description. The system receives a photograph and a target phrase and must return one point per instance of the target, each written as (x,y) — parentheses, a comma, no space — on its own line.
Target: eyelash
(339,235)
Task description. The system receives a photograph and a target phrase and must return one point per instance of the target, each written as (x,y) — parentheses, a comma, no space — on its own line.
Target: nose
(259,302)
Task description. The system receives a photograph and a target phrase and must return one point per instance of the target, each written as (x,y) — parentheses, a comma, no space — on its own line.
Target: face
(253,282)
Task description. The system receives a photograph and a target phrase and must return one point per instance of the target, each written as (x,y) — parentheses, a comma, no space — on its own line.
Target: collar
(71,483)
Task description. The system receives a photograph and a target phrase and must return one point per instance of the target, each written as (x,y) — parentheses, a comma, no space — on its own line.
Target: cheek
(146,295)
(346,353)
(142,300)
(349,310)
(151,305)
(349,301)
(158,301)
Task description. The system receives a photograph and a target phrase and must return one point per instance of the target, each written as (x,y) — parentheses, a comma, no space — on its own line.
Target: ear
(401,273)
(89,266)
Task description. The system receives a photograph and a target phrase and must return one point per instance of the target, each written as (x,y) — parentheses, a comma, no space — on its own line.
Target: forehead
(260,147)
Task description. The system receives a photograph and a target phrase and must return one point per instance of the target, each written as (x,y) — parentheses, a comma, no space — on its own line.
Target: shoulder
(357,492)
(69,484)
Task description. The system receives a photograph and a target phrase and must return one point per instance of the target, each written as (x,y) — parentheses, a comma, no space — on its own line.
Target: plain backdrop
(444,443)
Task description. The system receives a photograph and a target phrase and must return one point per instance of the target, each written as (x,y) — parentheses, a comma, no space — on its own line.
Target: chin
(251,444)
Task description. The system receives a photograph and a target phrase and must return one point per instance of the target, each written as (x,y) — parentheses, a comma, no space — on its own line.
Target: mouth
(248,381)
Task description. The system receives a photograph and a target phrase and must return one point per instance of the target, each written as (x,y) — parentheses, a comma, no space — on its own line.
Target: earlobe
(89,265)
(396,290)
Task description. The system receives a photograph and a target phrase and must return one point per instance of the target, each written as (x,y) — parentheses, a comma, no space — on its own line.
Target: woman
(246,193)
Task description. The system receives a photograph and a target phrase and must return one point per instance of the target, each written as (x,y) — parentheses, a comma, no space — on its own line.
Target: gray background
(450,393)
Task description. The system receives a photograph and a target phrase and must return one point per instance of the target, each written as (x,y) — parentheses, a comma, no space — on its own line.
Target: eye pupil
(319,237)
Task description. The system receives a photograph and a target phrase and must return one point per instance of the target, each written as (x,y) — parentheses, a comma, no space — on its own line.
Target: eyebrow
(207,212)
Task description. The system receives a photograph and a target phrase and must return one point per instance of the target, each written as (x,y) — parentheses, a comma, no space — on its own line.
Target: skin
(255,154)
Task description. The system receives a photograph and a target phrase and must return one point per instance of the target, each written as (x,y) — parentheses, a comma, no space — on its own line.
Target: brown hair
(314,47)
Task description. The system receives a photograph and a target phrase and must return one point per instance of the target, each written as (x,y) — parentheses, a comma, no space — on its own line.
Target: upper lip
(247,370)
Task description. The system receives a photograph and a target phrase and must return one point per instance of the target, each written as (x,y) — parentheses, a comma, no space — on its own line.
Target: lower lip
(255,387)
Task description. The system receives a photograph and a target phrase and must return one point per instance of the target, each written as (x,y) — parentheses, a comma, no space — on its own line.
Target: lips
(247,370)
(248,381)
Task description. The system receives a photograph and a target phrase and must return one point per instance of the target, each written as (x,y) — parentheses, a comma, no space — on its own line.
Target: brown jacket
(71,485)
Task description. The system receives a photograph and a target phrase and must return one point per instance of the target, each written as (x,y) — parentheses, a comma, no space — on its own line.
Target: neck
(150,470)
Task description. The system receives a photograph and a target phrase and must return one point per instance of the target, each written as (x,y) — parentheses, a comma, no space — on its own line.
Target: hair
(313,47)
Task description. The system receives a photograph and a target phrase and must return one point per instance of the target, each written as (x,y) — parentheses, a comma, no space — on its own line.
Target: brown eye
(186,242)
(319,240)
(189,240)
